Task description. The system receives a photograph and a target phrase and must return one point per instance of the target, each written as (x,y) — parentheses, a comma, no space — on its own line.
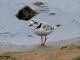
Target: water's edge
(6,47)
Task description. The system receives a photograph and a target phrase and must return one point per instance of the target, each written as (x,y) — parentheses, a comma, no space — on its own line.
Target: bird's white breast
(44,30)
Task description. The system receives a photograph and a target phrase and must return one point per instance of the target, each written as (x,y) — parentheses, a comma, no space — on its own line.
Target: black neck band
(39,26)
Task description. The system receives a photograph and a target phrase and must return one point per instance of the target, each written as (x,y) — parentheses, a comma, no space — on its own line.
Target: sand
(44,53)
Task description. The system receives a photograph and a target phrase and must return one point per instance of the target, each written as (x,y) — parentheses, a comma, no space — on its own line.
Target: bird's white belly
(42,32)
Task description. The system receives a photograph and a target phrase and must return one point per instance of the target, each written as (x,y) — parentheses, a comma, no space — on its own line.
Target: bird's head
(34,24)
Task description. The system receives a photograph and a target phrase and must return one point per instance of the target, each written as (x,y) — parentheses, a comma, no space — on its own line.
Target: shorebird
(42,29)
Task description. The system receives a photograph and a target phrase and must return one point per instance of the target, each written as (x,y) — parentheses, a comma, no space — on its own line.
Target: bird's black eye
(35,22)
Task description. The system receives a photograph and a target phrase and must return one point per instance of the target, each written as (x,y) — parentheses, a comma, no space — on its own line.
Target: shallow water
(18,32)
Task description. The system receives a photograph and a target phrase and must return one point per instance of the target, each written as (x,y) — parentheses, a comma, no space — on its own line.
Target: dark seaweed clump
(26,13)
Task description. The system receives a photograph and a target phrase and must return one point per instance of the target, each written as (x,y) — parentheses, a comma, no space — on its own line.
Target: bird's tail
(56,26)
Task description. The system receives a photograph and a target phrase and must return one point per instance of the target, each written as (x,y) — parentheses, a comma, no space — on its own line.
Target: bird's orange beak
(31,25)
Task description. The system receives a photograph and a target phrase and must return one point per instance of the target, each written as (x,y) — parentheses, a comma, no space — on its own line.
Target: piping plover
(42,29)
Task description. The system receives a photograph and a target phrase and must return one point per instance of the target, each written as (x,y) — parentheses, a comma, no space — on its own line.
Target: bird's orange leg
(45,40)
(42,42)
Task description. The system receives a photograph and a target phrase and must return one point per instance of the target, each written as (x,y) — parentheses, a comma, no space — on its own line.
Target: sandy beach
(64,53)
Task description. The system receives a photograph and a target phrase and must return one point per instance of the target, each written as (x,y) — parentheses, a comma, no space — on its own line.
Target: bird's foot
(42,44)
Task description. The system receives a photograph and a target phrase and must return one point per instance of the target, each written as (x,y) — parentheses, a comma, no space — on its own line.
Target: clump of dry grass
(77,58)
